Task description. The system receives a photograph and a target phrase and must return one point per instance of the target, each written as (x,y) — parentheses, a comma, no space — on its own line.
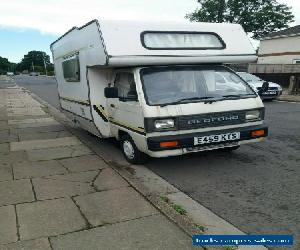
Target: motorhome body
(157,87)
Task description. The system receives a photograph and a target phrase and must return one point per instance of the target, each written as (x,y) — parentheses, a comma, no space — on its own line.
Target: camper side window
(71,69)
(126,86)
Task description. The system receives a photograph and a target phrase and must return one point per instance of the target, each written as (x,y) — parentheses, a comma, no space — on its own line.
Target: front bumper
(187,140)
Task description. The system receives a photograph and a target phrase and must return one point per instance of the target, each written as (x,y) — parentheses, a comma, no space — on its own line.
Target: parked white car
(274,90)
(34,73)
(10,73)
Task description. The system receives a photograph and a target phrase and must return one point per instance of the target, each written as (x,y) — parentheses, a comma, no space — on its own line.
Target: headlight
(279,88)
(164,124)
(252,115)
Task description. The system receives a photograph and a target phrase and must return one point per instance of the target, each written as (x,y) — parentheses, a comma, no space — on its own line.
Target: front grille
(211,120)
(270,88)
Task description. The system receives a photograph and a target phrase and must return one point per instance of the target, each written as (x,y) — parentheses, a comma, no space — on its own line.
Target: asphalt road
(256,188)
(42,86)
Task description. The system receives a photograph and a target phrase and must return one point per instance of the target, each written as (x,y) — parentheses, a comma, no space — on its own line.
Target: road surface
(256,188)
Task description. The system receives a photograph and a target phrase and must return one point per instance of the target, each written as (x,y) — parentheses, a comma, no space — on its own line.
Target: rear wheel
(131,152)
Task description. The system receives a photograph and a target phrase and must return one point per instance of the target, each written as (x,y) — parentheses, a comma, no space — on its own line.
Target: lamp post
(45,66)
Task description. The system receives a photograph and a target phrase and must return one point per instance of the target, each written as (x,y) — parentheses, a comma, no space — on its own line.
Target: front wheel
(131,152)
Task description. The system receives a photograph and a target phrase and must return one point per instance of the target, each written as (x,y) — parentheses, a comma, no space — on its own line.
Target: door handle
(112,105)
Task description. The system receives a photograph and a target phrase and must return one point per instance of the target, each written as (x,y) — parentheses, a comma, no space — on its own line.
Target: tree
(5,65)
(258,17)
(33,59)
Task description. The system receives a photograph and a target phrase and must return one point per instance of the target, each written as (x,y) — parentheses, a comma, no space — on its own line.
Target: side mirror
(264,88)
(111,92)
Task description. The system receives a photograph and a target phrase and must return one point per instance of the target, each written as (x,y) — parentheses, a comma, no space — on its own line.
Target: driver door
(125,111)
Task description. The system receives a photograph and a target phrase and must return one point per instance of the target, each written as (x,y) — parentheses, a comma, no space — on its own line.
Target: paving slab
(154,232)
(3,125)
(5,136)
(49,218)
(5,173)
(12,157)
(13,192)
(36,125)
(41,144)
(8,228)
(3,117)
(46,189)
(83,163)
(85,177)
(40,136)
(114,206)
(38,244)
(24,117)
(58,153)
(26,169)
(44,129)
(4,147)
(109,179)
(24,111)
(31,120)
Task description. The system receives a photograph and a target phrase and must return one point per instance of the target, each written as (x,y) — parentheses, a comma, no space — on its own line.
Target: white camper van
(159,88)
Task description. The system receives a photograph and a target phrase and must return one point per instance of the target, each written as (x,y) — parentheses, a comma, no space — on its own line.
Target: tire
(131,152)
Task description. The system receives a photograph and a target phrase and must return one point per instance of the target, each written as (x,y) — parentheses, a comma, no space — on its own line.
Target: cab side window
(71,69)
(126,86)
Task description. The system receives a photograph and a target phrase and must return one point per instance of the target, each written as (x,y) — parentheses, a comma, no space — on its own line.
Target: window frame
(69,58)
(125,99)
(296,61)
(142,38)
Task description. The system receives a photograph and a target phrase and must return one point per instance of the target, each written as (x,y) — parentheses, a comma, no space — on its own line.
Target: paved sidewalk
(55,193)
(289,98)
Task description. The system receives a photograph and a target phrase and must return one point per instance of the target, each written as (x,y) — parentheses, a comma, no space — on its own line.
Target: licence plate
(270,93)
(216,138)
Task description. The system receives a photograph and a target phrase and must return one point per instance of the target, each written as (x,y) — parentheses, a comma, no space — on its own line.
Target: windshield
(248,77)
(183,84)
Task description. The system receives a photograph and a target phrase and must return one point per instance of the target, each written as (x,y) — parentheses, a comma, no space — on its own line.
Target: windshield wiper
(236,96)
(208,99)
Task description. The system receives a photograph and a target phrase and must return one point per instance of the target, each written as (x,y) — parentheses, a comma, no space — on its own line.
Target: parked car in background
(10,73)
(34,73)
(274,90)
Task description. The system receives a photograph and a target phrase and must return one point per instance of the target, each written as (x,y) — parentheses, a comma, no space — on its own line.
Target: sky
(33,24)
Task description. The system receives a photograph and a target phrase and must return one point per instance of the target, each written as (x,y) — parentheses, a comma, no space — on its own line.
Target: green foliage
(178,209)
(35,61)
(5,65)
(258,17)
(165,199)
(201,228)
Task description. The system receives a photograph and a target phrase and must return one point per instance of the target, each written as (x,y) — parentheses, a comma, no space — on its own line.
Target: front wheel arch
(130,151)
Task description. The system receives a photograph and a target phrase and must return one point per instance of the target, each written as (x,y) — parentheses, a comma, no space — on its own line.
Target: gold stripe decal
(82,102)
(100,111)
(121,124)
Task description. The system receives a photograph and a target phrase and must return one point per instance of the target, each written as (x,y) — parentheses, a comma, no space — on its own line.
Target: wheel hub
(128,149)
